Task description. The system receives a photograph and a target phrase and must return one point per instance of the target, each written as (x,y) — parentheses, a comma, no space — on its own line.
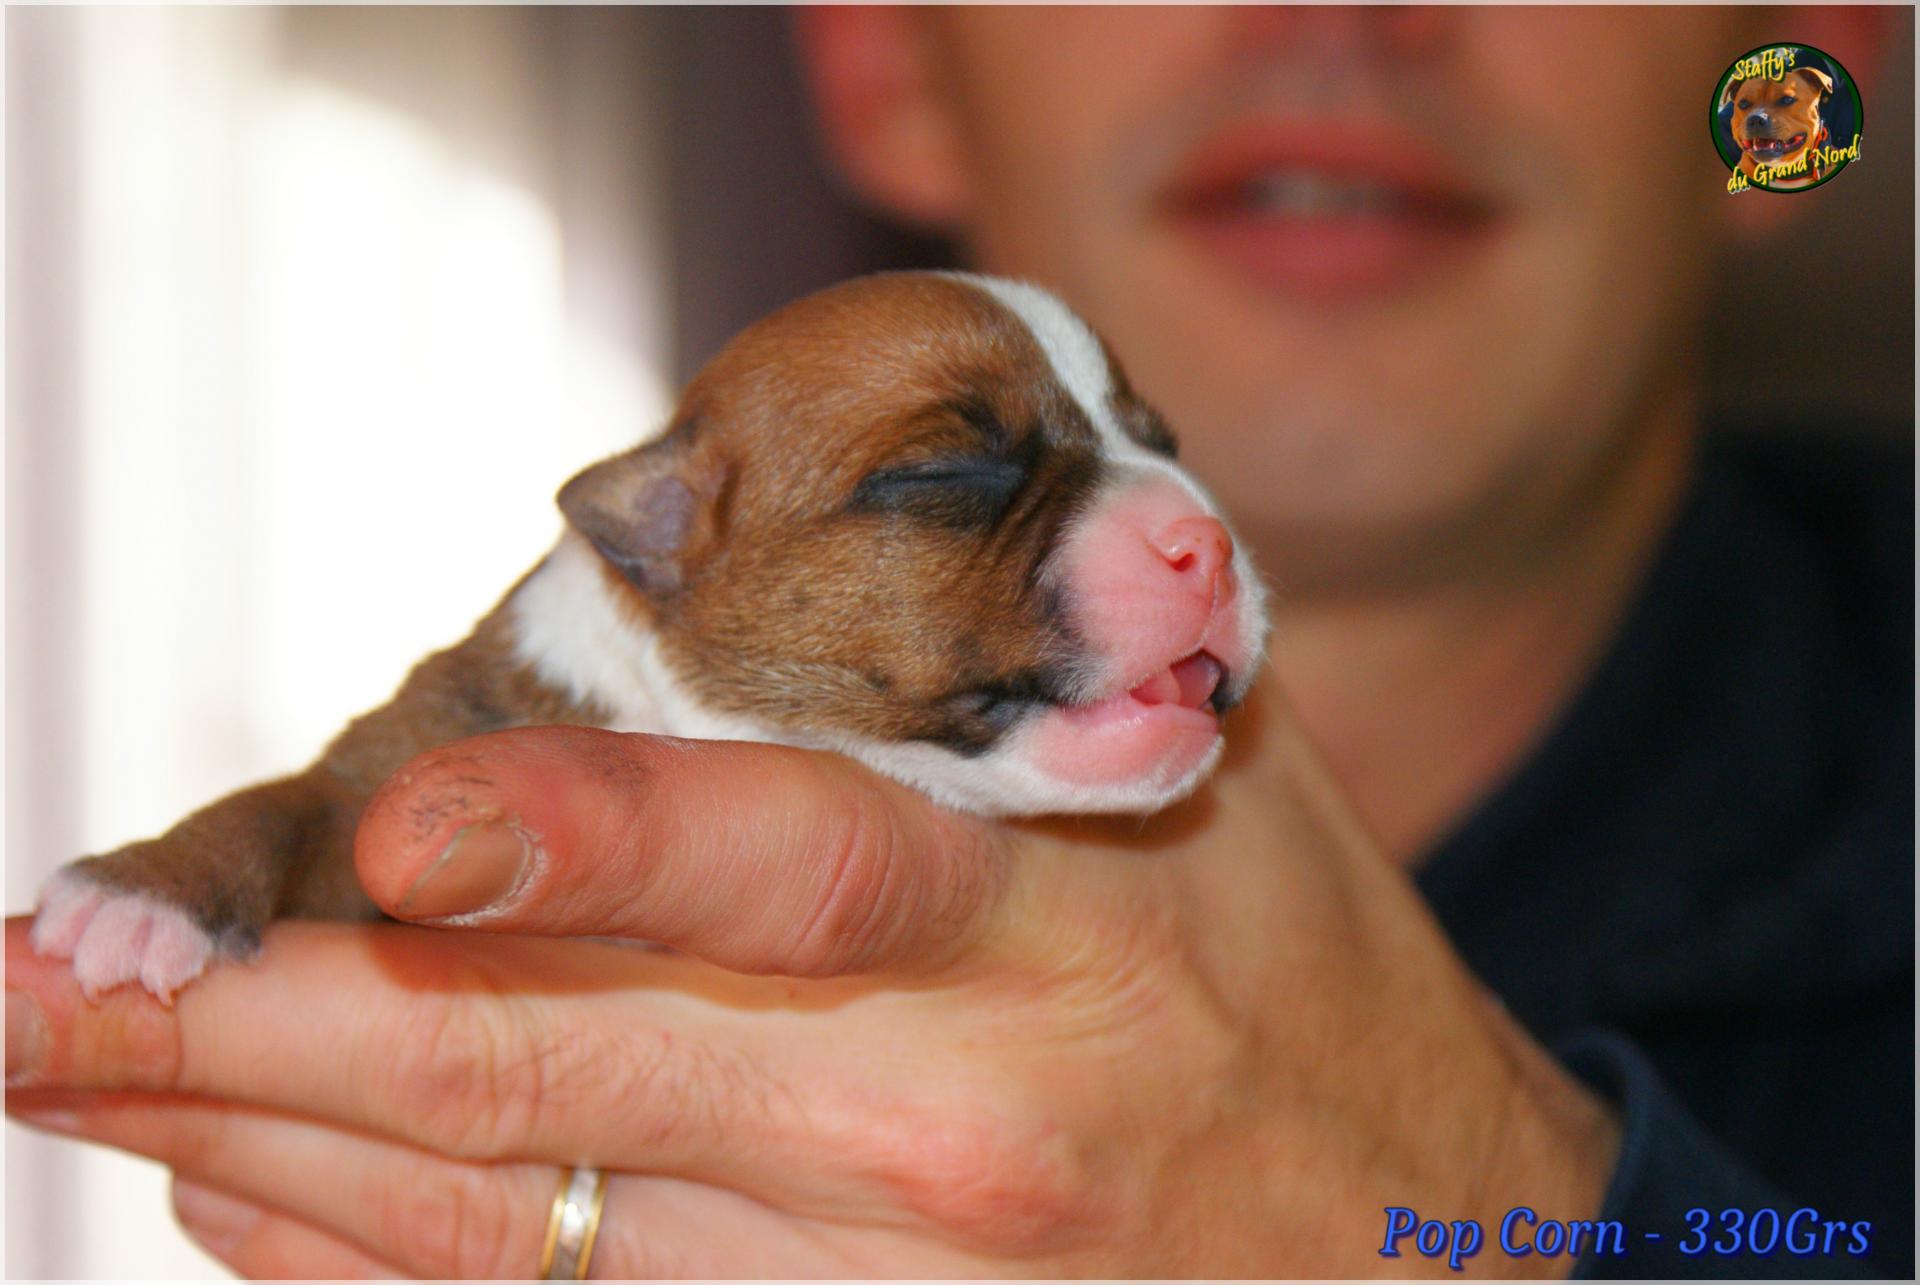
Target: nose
(1756,120)
(1148,577)
(1198,548)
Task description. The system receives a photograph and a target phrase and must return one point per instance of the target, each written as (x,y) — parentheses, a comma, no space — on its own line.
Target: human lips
(1329,211)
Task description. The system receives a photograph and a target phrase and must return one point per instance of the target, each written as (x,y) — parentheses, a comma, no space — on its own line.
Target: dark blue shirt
(1699,889)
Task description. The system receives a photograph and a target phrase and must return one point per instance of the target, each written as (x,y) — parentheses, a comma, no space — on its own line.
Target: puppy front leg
(159,911)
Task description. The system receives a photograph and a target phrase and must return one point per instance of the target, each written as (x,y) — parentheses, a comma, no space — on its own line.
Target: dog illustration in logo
(1777,124)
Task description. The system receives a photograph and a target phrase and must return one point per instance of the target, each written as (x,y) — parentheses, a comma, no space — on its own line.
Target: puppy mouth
(1171,716)
(1766,149)
(1193,690)
(1151,739)
(1196,682)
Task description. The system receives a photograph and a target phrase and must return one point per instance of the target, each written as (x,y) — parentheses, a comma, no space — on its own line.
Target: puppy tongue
(1190,682)
(1162,689)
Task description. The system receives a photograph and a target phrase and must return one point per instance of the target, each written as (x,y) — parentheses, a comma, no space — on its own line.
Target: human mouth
(1335,214)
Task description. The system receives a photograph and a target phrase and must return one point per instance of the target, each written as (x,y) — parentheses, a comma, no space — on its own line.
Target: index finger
(477,1048)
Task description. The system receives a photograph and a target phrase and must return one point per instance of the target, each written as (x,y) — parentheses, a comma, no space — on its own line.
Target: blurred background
(310,310)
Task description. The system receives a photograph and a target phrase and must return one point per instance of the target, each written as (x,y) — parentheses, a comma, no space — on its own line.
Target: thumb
(758,858)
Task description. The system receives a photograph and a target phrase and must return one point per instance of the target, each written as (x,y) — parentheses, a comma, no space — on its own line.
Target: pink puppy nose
(1149,576)
(1199,547)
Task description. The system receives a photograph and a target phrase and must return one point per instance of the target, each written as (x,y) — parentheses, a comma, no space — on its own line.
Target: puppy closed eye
(996,706)
(967,489)
(1002,702)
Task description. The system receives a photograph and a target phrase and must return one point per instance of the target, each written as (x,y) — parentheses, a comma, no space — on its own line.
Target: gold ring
(572,1225)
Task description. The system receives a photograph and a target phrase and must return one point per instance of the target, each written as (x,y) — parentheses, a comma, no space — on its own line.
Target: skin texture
(976,1053)
(900,1041)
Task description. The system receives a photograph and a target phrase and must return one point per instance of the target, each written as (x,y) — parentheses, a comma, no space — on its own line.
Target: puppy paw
(113,936)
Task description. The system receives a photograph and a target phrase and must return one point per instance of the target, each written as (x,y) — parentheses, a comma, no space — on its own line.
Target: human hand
(898,1042)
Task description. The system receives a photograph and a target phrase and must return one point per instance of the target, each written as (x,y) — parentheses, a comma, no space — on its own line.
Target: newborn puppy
(919,519)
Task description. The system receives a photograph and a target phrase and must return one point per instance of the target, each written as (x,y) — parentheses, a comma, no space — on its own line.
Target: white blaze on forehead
(1077,357)
(1071,347)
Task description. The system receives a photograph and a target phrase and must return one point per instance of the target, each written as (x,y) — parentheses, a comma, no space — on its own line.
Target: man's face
(1405,282)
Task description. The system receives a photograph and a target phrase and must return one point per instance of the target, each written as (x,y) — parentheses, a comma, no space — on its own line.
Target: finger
(262,1245)
(423,1214)
(760,858)
(398,1205)
(488,1048)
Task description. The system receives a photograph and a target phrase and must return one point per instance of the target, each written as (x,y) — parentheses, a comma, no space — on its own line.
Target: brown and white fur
(919,519)
(1775,122)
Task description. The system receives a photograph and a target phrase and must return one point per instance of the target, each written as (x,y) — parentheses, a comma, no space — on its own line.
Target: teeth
(1304,194)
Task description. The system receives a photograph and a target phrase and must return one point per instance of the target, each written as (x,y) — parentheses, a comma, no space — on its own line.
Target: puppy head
(1774,120)
(924,520)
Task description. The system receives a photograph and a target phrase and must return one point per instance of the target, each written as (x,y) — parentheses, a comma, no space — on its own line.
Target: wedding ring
(573,1224)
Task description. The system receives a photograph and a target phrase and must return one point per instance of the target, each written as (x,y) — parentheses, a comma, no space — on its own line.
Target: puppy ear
(1821,80)
(1726,95)
(649,511)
